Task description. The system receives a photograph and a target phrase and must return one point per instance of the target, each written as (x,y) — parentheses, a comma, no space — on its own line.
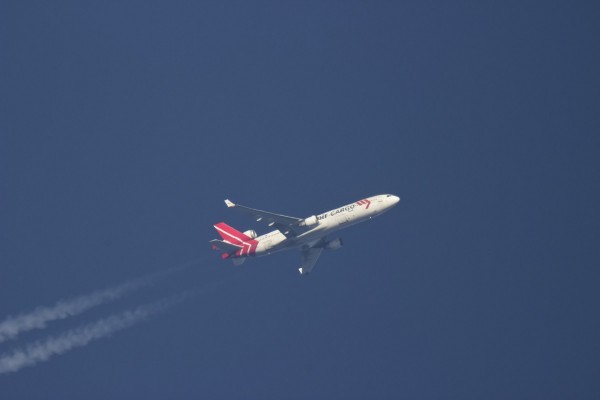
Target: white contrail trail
(11,327)
(40,351)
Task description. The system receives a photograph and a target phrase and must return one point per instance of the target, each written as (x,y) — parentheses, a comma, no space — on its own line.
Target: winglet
(229,203)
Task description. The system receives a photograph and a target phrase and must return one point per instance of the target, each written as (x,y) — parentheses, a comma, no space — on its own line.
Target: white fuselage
(328,222)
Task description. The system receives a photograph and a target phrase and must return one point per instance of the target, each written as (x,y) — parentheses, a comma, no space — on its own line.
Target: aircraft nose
(395,200)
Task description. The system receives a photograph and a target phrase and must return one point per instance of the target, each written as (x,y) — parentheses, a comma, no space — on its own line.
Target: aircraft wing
(283,222)
(310,255)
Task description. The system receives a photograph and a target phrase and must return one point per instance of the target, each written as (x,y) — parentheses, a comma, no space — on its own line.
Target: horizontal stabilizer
(224,246)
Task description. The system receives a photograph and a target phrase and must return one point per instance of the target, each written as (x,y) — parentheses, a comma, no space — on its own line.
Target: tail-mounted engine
(251,234)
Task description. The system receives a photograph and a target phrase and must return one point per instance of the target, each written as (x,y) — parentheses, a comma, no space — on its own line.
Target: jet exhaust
(11,327)
(40,351)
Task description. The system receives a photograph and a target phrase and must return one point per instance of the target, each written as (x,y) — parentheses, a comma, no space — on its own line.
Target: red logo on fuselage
(365,201)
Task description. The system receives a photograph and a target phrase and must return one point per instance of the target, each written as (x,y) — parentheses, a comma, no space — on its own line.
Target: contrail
(40,351)
(11,327)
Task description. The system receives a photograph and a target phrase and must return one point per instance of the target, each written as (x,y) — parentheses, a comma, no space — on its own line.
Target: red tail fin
(230,234)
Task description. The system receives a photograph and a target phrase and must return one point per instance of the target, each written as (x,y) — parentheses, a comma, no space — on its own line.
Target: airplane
(310,234)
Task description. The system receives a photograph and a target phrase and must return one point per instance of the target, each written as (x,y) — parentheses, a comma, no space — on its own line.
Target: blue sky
(124,125)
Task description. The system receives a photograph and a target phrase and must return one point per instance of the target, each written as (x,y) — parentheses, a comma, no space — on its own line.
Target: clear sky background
(124,125)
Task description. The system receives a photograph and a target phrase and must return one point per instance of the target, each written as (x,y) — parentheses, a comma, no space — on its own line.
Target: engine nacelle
(334,244)
(310,221)
(251,234)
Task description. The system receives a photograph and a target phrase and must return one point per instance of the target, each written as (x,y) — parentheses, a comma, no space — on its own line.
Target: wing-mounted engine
(310,221)
(334,244)
(251,233)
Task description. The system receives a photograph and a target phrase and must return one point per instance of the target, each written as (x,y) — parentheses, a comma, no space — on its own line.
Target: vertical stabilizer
(235,243)
(230,234)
